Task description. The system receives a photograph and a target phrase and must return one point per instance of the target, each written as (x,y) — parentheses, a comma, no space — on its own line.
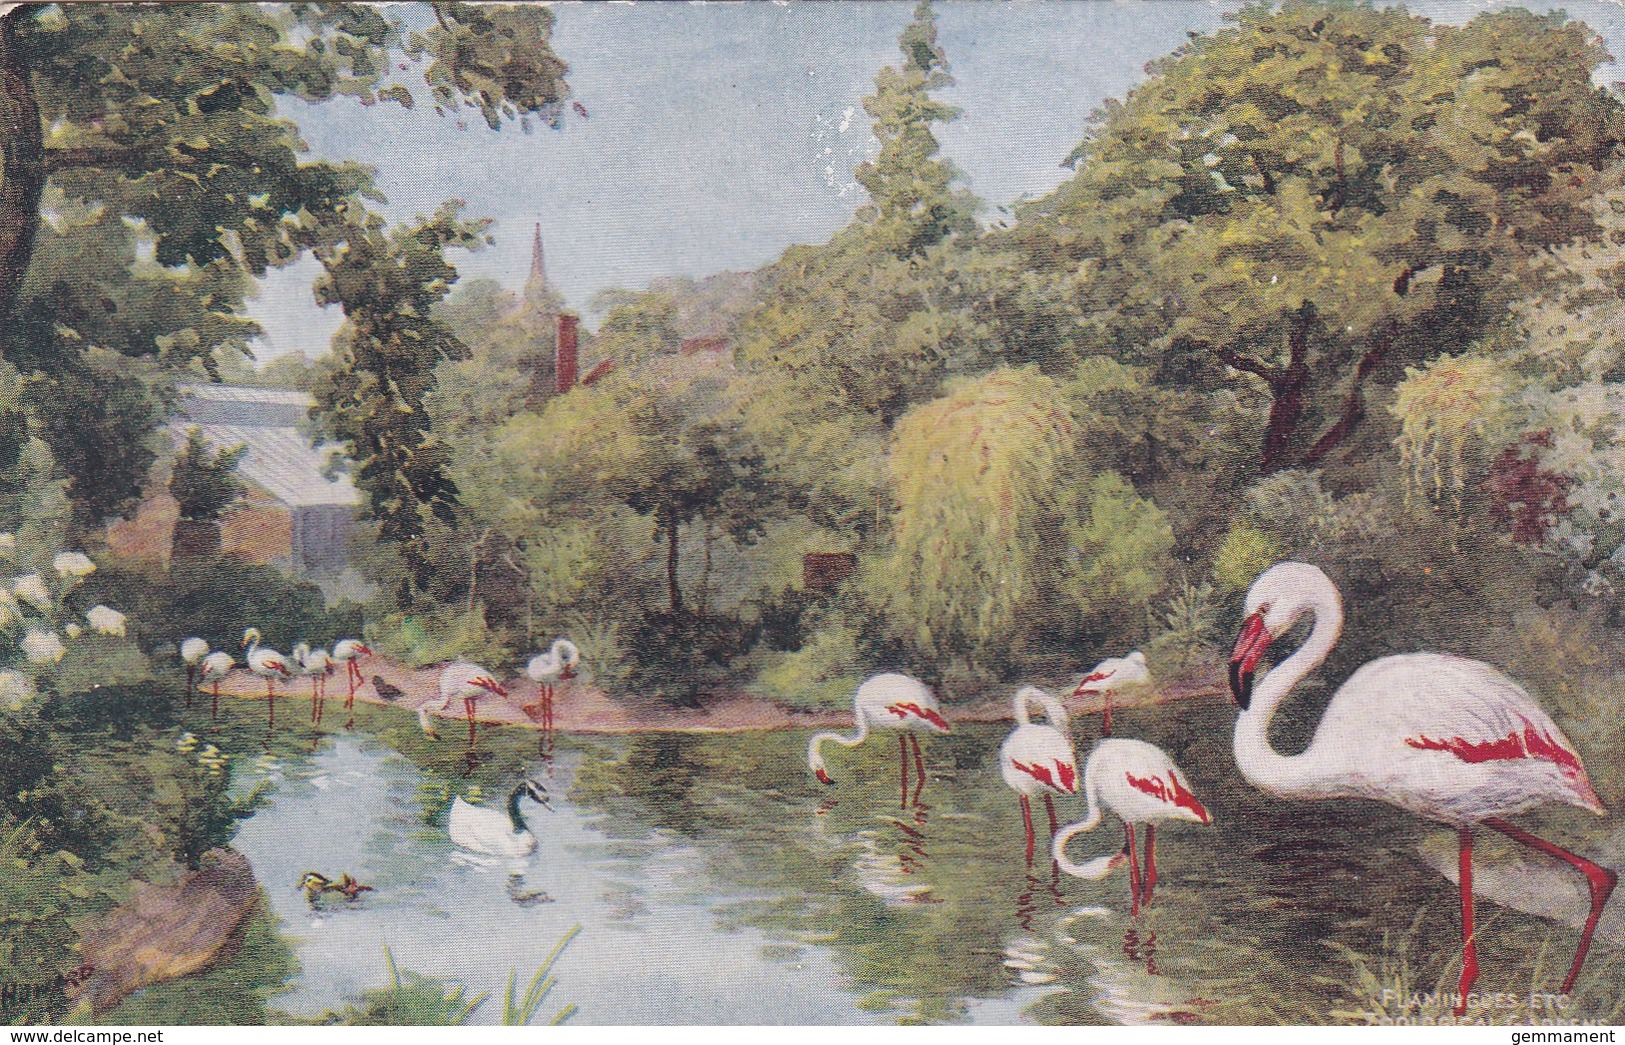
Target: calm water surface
(716,882)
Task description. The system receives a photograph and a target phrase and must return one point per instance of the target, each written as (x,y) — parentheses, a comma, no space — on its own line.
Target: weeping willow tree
(1007,548)
(1449,411)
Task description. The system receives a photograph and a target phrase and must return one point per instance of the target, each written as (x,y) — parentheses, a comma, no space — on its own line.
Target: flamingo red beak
(1251,645)
(823,776)
(567,673)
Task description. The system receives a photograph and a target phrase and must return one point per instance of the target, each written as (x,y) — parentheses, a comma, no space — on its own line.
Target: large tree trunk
(22,161)
(671,567)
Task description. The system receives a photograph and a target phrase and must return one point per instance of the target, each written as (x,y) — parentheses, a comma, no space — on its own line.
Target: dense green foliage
(203,481)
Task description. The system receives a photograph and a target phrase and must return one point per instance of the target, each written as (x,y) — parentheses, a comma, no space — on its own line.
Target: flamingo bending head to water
(890,701)
(1140,783)
(469,683)
(1447,738)
(1038,758)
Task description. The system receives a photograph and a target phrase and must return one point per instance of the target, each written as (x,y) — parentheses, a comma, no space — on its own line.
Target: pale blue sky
(720,134)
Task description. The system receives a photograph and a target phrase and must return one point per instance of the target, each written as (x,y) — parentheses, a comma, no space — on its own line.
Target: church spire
(538,262)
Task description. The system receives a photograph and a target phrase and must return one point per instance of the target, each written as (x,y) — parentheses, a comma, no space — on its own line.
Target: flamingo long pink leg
(191,679)
(1133,870)
(315,704)
(270,703)
(1049,807)
(214,711)
(352,672)
(919,768)
(1150,861)
(1601,879)
(1106,725)
(1469,942)
(468,709)
(1027,821)
(902,768)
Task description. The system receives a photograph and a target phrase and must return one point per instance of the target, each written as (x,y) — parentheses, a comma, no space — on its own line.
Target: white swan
(495,832)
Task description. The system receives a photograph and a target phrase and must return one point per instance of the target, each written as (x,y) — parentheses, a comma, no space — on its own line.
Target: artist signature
(14,995)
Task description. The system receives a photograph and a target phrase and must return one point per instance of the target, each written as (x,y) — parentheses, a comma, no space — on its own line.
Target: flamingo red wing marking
(1037,772)
(278,667)
(928,714)
(486,682)
(1069,776)
(1096,676)
(1176,795)
(1526,743)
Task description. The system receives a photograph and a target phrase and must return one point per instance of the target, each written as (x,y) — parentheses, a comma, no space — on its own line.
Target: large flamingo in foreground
(1141,784)
(1444,737)
(1038,758)
(889,701)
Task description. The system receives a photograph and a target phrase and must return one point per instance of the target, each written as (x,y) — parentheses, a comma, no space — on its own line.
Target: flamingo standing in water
(349,652)
(1038,759)
(1447,738)
(558,663)
(889,701)
(215,667)
(1141,784)
(192,653)
(269,665)
(1110,676)
(468,682)
(315,665)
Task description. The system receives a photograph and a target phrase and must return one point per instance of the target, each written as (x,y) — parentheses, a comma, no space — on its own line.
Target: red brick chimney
(564,357)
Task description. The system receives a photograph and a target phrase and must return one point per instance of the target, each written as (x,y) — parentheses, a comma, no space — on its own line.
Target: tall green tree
(915,203)
(370,396)
(150,135)
(1298,205)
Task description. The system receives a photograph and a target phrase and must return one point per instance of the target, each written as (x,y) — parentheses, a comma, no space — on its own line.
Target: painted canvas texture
(811,514)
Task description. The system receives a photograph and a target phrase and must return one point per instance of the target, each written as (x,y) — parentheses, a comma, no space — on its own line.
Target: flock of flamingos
(1447,738)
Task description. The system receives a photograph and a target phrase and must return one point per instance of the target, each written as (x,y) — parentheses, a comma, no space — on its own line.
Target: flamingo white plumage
(192,653)
(1111,676)
(1447,738)
(215,667)
(545,669)
(269,665)
(1141,785)
(492,831)
(889,701)
(470,683)
(315,665)
(1038,758)
(349,653)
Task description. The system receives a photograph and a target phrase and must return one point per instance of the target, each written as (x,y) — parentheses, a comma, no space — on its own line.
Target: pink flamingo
(269,665)
(215,667)
(557,664)
(349,652)
(192,653)
(1038,759)
(890,701)
(470,683)
(1111,675)
(1447,738)
(1141,784)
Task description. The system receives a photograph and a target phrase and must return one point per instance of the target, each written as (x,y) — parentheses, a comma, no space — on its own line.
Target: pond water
(716,882)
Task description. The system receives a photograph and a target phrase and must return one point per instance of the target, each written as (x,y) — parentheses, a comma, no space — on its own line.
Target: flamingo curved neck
(816,760)
(1266,769)
(1054,711)
(1088,823)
